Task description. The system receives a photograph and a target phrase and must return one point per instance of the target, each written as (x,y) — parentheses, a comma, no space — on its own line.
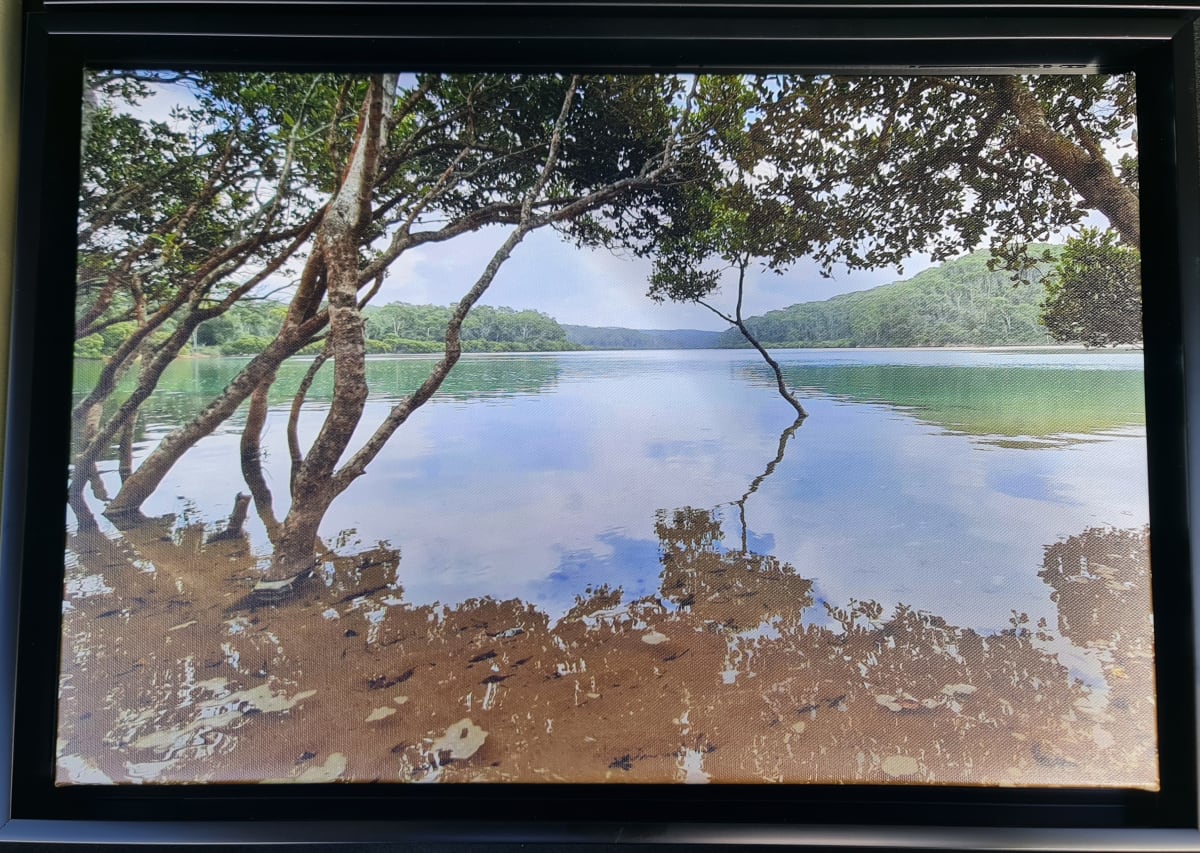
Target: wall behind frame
(10,87)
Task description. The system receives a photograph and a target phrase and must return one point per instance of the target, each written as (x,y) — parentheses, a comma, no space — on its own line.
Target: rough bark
(295,547)
(313,488)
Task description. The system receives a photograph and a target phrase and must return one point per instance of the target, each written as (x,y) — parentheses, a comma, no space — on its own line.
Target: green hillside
(960,302)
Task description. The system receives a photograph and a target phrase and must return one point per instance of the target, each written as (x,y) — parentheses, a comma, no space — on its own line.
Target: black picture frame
(1157,42)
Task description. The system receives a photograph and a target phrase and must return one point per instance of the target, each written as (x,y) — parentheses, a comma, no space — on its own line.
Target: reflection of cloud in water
(917,516)
(631,565)
(517,495)
(1026,484)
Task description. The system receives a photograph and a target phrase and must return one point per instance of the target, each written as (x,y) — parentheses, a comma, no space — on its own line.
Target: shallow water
(932,478)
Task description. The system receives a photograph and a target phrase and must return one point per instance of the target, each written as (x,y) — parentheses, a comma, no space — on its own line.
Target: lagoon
(933,478)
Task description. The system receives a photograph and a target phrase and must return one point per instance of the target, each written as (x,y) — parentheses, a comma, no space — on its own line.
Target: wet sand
(173,674)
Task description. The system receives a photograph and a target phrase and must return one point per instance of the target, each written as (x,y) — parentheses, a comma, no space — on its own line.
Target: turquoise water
(933,478)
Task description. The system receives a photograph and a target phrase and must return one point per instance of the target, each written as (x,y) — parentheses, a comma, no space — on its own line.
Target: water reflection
(1042,406)
(171,673)
(1095,576)
(727,590)
(559,488)
(784,438)
(538,619)
(189,384)
(1033,398)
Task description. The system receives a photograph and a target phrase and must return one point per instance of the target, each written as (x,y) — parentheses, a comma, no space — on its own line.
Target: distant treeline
(396,328)
(615,337)
(399,327)
(960,302)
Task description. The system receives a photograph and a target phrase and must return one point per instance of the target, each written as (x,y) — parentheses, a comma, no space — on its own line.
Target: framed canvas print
(770,426)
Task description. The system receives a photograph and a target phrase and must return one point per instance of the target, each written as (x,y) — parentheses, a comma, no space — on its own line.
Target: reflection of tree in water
(170,674)
(784,438)
(734,590)
(908,693)
(1040,407)
(1101,583)
(187,386)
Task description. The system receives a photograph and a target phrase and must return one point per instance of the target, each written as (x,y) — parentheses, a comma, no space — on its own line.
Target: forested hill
(613,337)
(959,302)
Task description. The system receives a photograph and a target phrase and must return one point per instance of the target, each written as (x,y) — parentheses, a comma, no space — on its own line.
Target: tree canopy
(1094,293)
(896,165)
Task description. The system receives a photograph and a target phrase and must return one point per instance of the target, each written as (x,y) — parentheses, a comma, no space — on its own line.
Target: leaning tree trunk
(142,482)
(315,484)
(298,328)
(749,336)
(251,452)
(774,365)
(313,488)
(306,318)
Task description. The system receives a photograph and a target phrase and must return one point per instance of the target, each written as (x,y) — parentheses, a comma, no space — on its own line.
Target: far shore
(1049,348)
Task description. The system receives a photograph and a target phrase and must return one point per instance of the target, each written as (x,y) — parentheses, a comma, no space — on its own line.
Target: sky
(595,287)
(583,286)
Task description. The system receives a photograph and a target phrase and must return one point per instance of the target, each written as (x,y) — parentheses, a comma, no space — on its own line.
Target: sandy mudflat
(171,675)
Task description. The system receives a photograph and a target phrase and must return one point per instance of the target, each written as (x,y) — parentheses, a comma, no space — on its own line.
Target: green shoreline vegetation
(958,303)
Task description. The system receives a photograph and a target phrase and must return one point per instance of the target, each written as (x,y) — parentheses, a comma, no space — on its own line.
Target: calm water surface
(932,478)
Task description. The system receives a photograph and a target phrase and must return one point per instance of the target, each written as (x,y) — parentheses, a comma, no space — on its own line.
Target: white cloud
(595,287)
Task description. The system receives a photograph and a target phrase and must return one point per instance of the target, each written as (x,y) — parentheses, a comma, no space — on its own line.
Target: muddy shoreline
(173,674)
